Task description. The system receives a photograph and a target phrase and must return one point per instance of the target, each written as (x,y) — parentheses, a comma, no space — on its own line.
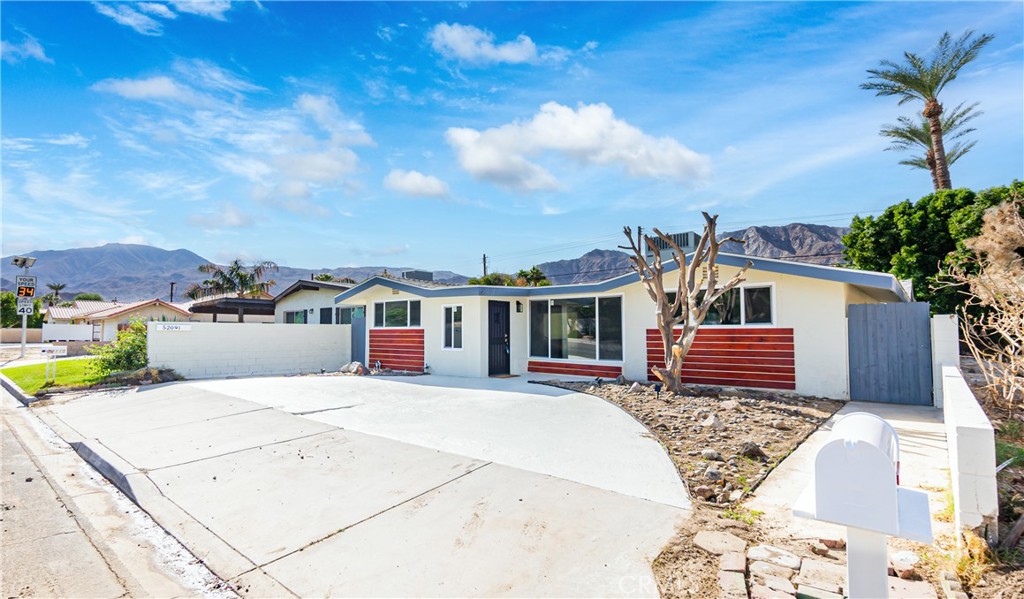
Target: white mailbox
(856,484)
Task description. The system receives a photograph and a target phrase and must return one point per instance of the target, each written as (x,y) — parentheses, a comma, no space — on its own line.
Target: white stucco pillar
(945,350)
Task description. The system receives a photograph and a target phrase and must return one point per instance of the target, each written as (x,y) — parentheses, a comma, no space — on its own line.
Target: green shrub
(128,352)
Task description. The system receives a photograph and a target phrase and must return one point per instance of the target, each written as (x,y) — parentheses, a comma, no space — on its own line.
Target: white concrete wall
(206,350)
(945,350)
(972,455)
(61,331)
(306,300)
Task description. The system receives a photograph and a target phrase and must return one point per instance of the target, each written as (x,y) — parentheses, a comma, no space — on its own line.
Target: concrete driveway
(360,486)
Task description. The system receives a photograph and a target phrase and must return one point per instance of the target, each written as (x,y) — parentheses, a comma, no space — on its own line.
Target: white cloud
(70,139)
(227,215)
(123,14)
(321,167)
(469,44)
(28,48)
(213,9)
(157,10)
(589,134)
(153,88)
(134,240)
(325,112)
(415,183)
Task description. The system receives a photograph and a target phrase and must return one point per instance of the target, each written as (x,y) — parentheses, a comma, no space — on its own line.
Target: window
(325,316)
(739,306)
(295,317)
(584,328)
(343,316)
(453,327)
(402,313)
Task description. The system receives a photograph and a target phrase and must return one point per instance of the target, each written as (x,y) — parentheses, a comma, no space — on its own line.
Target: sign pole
(24,325)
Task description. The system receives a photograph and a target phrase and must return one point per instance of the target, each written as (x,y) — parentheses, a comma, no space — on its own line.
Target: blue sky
(323,134)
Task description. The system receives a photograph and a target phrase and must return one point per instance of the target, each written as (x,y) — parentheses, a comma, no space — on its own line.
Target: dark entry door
(359,334)
(497,338)
(890,353)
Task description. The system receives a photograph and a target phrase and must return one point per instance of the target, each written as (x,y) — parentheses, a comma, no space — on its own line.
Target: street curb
(104,461)
(16,391)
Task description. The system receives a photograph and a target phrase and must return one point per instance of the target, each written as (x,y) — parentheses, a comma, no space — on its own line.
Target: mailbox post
(856,484)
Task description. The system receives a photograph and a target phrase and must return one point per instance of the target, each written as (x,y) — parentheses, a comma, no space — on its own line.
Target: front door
(497,338)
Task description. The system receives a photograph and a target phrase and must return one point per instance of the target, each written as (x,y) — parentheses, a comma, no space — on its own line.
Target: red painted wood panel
(397,349)
(740,357)
(594,370)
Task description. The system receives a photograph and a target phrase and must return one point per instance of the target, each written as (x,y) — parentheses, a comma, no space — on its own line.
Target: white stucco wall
(205,350)
(813,308)
(306,300)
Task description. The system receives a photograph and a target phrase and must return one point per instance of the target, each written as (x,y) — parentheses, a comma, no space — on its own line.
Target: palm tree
(326,277)
(55,289)
(909,134)
(236,278)
(920,79)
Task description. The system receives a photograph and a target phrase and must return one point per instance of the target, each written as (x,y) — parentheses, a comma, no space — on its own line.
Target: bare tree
(993,315)
(693,298)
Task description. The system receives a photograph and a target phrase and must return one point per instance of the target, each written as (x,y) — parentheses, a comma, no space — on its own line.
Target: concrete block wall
(972,456)
(216,349)
(945,350)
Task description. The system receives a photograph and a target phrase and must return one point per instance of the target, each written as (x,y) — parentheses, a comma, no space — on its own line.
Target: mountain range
(131,272)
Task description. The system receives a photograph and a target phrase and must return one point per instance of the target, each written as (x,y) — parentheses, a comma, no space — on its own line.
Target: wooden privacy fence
(890,353)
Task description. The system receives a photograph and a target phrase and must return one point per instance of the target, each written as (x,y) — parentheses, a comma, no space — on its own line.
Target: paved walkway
(67,533)
(371,487)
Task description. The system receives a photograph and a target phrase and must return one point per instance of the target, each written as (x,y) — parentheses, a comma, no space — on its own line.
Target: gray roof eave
(861,278)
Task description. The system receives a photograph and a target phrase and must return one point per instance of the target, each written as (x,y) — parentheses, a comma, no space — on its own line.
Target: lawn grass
(70,373)
(1006,450)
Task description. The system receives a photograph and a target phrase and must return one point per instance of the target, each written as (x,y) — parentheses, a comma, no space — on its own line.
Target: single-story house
(311,302)
(784,327)
(107,318)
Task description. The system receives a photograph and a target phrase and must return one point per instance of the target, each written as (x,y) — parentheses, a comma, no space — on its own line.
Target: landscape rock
(920,589)
(636,388)
(732,584)
(703,491)
(354,368)
(713,422)
(781,425)
(759,568)
(736,495)
(777,583)
(711,454)
(762,592)
(753,451)
(729,404)
(822,574)
(819,549)
(903,563)
(719,543)
(712,473)
(774,555)
(833,543)
(733,561)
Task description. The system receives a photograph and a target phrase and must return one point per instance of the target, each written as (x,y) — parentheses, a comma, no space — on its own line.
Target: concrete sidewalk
(285,505)
(67,533)
(924,464)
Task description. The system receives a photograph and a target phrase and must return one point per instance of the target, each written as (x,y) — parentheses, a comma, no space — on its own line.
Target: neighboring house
(311,302)
(783,328)
(106,318)
(114,319)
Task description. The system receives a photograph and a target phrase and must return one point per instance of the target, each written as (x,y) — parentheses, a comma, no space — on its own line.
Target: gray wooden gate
(890,353)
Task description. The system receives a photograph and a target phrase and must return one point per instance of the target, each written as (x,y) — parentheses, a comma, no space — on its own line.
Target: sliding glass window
(584,328)
(402,313)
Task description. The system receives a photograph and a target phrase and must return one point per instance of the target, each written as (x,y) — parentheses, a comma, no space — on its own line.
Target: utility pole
(485,265)
(172,292)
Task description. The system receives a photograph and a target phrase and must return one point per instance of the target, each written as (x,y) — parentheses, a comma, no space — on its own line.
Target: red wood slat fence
(397,349)
(740,357)
(594,370)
